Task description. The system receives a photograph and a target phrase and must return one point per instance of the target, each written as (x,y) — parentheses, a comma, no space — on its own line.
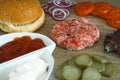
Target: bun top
(19,11)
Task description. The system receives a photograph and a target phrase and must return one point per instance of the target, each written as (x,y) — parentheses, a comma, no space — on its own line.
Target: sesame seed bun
(21,15)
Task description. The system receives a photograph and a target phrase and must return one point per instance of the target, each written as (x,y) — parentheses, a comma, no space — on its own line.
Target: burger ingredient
(84,60)
(58,8)
(17,16)
(62,4)
(91,74)
(84,8)
(16,49)
(110,70)
(100,67)
(112,42)
(61,16)
(72,62)
(59,74)
(114,23)
(101,59)
(114,13)
(29,70)
(76,34)
(71,72)
(81,68)
(19,46)
(104,10)
(101,8)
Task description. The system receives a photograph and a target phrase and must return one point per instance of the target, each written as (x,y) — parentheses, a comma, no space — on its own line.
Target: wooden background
(61,55)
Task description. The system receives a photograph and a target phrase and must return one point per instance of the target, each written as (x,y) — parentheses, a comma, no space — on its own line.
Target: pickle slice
(72,62)
(110,70)
(102,59)
(71,72)
(84,60)
(100,67)
(91,74)
(58,74)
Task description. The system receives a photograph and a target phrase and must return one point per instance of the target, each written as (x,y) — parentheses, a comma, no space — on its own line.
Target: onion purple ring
(59,18)
(51,9)
(61,5)
(67,12)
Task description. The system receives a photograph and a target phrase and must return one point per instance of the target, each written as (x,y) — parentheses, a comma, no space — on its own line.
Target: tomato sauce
(19,46)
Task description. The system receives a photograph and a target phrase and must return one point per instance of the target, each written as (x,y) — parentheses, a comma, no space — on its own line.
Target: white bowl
(43,53)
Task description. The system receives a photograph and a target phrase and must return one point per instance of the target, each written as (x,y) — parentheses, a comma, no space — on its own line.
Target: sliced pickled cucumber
(110,70)
(58,74)
(102,59)
(84,60)
(91,74)
(100,67)
(71,72)
(72,62)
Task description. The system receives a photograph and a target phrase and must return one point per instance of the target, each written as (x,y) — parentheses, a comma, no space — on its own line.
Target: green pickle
(71,72)
(84,60)
(100,67)
(102,59)
(110,70)
(86,67)
(58,73)
(72,62)
(91,74)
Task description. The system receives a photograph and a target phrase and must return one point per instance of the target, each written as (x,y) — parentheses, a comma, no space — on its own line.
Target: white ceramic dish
(43,53)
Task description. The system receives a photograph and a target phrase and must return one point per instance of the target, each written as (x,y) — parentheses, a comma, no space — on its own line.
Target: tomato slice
(84,8)
(101,8)
(115,23)
(114,13)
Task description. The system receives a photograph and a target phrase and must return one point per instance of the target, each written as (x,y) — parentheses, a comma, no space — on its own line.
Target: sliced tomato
(114,13)
(115,23)
(84,8)
(101,8)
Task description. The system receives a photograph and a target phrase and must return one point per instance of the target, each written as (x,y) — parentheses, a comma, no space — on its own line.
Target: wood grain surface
(61,55)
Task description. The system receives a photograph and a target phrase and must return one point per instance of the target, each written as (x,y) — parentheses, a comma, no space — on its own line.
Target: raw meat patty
(76,34)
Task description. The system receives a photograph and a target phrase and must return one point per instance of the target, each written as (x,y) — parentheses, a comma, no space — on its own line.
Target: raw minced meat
(76,34)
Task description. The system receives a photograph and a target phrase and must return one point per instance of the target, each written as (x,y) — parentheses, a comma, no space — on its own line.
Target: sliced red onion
(66,5)
(58,1)
(50,2)
(67,12)
(58,13)
(57,8)
(51,9)
(45,7)
(58,17)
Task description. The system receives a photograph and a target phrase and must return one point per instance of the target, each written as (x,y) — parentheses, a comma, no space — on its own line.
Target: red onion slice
(51,9)
(45,7)
(67,12)
(57,8)
(66,5)
(59,17)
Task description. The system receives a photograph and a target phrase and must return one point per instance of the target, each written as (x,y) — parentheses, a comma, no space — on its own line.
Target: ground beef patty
(76,34)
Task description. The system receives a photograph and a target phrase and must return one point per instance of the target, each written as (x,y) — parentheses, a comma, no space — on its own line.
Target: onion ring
(51,9)
(61,5)
(67,12)
(59,8)
(59,18)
